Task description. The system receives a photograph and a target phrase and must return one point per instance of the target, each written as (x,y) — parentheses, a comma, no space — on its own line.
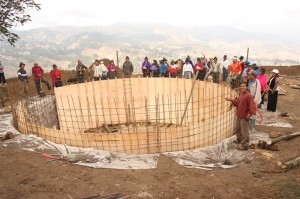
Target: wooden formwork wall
(151,108)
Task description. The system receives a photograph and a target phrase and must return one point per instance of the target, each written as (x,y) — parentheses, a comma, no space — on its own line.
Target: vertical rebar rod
(191,92)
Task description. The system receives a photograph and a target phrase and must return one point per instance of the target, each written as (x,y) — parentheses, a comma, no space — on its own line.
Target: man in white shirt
(215,70)
(187,70)
(224,65)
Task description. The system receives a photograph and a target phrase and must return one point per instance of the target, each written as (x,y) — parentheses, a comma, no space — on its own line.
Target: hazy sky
(252,15)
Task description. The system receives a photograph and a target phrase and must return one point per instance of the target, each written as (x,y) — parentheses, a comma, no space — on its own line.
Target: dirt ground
(25,174)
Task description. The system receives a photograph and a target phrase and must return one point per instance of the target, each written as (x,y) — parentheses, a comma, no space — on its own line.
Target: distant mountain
(65,45)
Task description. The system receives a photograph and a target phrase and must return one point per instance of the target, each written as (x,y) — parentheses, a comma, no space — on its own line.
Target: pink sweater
(263,81)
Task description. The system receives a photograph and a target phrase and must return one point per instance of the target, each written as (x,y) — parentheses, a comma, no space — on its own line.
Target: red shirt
(111,67)
(199,66)
(54,74)
(37,72)
(235,67)
(245,104)
(172,70)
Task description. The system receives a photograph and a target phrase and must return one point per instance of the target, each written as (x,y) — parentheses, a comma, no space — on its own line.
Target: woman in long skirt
(273,90)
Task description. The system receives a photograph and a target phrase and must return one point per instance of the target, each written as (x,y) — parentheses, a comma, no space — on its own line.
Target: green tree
(14,13)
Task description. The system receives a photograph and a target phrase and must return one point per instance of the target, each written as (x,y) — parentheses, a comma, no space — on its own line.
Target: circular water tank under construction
(131,115)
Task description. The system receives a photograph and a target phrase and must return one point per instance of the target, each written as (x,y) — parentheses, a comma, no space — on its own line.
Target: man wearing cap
(56,76)
(215,70)
(246,70)
(37,73)
(273,84)
(127,67)
(254,86)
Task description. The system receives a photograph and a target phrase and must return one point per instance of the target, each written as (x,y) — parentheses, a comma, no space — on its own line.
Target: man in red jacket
(245,109)
(37,73)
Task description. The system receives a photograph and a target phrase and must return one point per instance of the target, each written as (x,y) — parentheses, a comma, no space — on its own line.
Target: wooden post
(117,59)
(284,137)
(247,53)
(147,123)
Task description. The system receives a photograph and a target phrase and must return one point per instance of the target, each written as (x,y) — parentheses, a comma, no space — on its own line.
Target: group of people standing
(38,76)
(202,68)
(251,97)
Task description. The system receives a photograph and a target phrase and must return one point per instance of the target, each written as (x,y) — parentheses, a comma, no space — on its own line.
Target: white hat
(275,71)
(235,57)
(160,59)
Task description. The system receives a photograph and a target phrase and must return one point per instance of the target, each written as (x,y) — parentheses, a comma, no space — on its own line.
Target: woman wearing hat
(273,90)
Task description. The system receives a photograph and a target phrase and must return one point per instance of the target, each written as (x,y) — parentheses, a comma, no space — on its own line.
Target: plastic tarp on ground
(222,155)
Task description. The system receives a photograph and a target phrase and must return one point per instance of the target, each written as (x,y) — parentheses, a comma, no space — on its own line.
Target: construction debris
(275,134)
(8,136)
(289,164)
(284,137)
(281,91)
(263,145)
(295,86)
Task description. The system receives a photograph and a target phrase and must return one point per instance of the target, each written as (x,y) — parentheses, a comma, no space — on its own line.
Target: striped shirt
(22,74)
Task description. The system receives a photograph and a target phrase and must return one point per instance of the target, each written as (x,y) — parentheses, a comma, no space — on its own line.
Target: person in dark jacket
(23,78)
(127,67)
(146,65)
(273,90)
(80,68)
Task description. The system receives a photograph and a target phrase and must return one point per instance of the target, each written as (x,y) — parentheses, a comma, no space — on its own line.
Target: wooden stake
(247,54)
(188,101)
(289,164)
(284,137)
(147,123)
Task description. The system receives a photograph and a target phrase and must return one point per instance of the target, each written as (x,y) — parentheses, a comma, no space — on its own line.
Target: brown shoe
(241,147)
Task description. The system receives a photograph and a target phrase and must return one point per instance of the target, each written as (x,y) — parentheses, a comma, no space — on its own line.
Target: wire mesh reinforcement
(132,115)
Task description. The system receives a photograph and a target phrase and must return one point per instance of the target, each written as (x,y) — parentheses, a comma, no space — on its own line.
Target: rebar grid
(133,115)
